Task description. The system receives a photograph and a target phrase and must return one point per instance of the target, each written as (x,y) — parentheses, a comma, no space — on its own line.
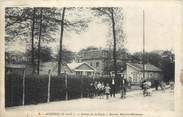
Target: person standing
(107,91)
(91,90)
(156,83)
(163,85)
(123,88)
(112,88)
(99,89)
(171,85)
(102,89)
(144,87)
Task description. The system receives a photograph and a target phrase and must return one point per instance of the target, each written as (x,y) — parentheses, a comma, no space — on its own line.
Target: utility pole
(143,61)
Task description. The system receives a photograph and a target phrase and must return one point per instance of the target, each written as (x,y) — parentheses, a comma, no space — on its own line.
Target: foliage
(45,54)
(68,56)
(19,23)
(114,17)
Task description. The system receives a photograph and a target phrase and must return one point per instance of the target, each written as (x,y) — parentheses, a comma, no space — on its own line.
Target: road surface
(159,101)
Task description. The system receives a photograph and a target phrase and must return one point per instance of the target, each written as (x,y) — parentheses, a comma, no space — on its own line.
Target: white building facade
(134,72)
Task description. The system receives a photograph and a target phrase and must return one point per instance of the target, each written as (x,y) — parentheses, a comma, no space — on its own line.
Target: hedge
(36,88)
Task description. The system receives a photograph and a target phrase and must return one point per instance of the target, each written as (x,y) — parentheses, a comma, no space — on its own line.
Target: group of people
(147,90)
(100,89)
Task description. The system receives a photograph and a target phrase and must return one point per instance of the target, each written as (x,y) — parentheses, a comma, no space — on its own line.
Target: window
(134,76)
(79,73)
(90,63)
(97,64)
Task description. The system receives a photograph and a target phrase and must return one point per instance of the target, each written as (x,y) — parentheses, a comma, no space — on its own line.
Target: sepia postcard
(83,58)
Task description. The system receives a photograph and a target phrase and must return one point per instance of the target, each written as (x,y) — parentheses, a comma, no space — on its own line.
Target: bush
(13,90)
(36,88)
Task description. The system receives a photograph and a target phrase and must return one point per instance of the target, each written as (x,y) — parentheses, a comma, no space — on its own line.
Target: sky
(160,31)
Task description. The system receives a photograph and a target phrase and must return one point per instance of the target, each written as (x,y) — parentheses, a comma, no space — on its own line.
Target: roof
(15,66)
(147,67)
(53,66)
(75,65)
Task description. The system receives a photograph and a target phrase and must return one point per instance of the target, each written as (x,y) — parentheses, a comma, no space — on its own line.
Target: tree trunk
(114,43)
(39,41)
(61,39)
(33,22)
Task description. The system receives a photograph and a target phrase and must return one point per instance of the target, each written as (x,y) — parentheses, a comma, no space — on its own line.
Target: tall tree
(24,23)
(114,18)
(32,36)
(61,39)
(18,21)
(39,40)
(47,26)
(77,24)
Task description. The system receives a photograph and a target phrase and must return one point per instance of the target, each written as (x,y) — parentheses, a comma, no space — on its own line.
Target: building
(82,69)
(14,69)
(16,58)
(134,72)
(99,59)
(95,58)
(73,68)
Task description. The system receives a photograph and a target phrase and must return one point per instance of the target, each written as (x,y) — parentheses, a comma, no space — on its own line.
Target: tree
(39,39)
(45,54)
(66,24)
(24,23)
(44,23)
(67,56)
(32,39)
(61,39)
(114,18)
(48,24)
(18,21)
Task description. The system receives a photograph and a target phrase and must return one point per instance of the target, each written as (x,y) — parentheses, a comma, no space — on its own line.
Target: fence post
(66,93)
(49,80)
(23,95)
(81,86)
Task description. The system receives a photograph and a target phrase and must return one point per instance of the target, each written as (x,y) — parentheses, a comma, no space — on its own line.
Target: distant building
(95,58)
(134,72)
(83,68)
(14,69)
(73,68)
(99,59)
(16,58)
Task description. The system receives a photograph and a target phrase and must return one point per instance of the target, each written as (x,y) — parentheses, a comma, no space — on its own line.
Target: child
(107,91)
